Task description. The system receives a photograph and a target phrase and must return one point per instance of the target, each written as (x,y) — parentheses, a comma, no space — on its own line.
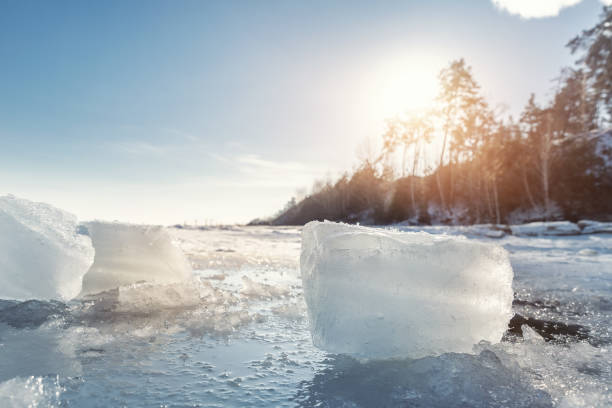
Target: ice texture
(139,344)
(379,293)
(30,392)
(256,290)
(127,254)
(42,253)
(145,298)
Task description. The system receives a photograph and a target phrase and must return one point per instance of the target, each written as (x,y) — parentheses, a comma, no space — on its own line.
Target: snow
(603,147)
(533,229)
(483,230)
(587,252)
(545,228)
(127,254)
(379,293)
(42,253)
(595,227)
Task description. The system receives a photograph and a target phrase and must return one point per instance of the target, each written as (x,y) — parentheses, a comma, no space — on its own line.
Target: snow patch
(603,148)
(595,227)
(546,228)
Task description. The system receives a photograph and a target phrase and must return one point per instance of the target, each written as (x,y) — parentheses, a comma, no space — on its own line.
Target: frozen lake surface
(238,336)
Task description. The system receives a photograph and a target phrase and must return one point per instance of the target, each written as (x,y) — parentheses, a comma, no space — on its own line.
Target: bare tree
(409,133)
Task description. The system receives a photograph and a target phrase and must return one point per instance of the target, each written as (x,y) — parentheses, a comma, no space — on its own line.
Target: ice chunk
(495,234)
(147,298)
(546,228)
(595,227)
(127,254)
(485,230)
(257,290)
(379,293)
(42,254)
(530,335)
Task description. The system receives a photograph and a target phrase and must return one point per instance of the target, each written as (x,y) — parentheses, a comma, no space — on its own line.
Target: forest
(553,162)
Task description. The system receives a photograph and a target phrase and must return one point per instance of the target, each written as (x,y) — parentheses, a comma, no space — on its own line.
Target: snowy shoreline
(532,229)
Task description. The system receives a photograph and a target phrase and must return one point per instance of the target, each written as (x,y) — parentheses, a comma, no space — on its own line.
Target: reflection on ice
(30,392)
(449,380)
(31,313)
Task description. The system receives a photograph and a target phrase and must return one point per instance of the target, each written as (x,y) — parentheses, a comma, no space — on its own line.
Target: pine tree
(596,43)
(459,92)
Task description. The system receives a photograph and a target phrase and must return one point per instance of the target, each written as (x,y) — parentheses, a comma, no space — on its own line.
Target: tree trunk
(451,185)
(545,169)
(527,189)
(404,160)
(489,203)
(438,176)
(415,164)
(496,200)
(477,203)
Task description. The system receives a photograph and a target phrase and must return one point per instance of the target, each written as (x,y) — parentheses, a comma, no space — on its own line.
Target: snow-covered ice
(380,293)
(546,228)
(127,254)
(42,253)
(219,339)
(595,227)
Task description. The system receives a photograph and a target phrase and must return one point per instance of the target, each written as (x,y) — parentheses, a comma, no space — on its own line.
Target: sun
(402,85)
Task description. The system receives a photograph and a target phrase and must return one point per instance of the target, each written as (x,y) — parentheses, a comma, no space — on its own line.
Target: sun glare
(405,85)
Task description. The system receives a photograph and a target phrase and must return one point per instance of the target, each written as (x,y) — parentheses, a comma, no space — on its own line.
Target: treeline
(554,161)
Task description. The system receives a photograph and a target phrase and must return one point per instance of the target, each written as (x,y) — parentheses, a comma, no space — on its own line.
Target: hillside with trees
(552,162)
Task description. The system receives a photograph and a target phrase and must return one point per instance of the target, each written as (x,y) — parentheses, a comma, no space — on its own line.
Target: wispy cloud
(256,162)
(537,8)
(255,171)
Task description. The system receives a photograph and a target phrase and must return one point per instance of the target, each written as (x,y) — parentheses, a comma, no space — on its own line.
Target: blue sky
(164,112)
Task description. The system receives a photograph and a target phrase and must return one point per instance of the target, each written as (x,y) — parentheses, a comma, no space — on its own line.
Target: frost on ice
(379,293)
(42,254)
(127,254)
